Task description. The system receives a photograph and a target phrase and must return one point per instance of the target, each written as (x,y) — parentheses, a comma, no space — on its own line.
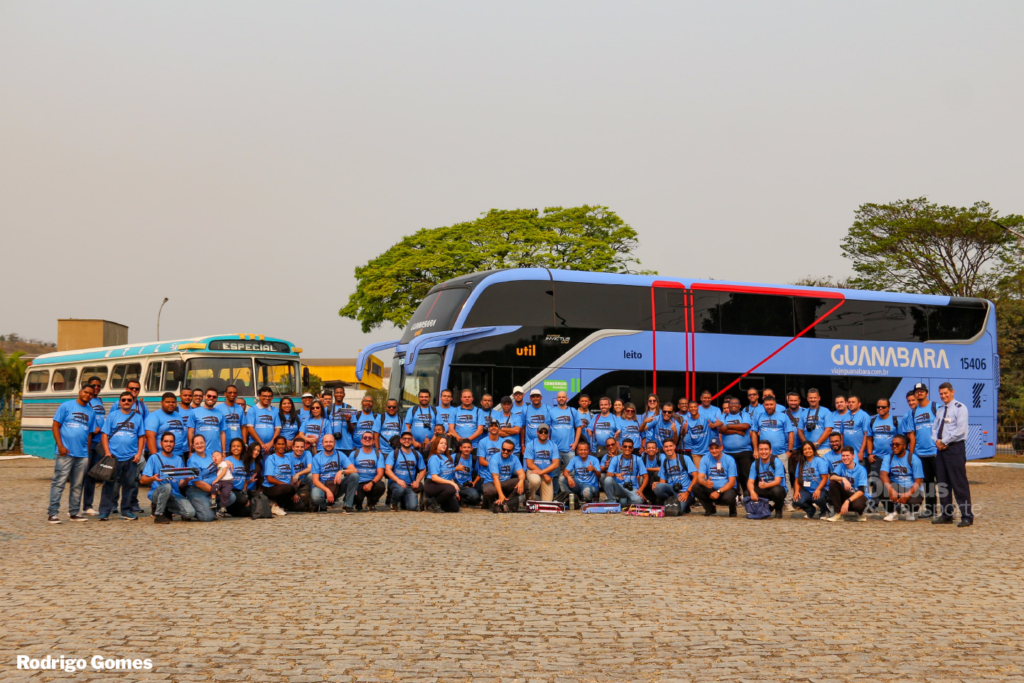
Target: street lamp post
(158,318)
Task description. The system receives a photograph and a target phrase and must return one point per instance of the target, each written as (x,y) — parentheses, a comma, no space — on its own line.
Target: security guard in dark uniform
(950,429)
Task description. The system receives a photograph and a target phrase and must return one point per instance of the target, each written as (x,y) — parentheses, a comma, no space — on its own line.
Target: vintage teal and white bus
(624,336)
(248,361)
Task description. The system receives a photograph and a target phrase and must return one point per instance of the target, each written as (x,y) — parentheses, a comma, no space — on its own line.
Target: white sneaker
(834,518)
(911,516)
(276,510)
(891,517)
(91,512)
(861,518)
(788,507)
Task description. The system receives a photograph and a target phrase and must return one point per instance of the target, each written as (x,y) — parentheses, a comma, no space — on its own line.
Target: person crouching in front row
(580,476)
(768,478)
(334,477)
(165,495)
(406,469)
(505,480)
(847,487)
(441,488)
(675,479)
(716,481)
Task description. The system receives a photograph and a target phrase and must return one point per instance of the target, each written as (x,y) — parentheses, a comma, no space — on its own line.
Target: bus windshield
(437,313)
(218,373)
(426,376)
(280,375)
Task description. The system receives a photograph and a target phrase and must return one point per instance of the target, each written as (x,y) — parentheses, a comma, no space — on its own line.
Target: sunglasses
(367,437)
(126,400)
(666,412)
(94,386)
(506,450)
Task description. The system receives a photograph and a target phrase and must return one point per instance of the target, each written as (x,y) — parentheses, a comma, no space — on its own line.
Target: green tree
(913,245)
(12,379)
(389,287)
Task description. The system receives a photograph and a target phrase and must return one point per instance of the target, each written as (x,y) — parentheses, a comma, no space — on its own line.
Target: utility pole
(158,318)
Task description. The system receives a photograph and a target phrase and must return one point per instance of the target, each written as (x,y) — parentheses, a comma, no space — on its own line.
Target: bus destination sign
(249,346)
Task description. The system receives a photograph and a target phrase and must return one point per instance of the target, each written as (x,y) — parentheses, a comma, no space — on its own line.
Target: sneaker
(223,511)
(834,518)
(788,507)
(219,514)
(103,518)
(78,518)
(128,517)
(910,516)
(161,519)
(91,512)
(394,507)
(861,518)
(276,510)
(348,509)
(891,517)
(53,519)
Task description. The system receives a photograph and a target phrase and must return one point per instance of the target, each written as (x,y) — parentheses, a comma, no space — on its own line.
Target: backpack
(259,505)
(672,508)
(758,509)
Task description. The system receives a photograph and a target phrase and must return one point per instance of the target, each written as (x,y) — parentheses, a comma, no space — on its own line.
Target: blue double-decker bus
(625,336)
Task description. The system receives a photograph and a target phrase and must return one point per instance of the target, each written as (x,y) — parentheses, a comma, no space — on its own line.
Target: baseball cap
(919,386)
(517,390)
(307,395)
(715,442)
(505,399)
(493,423)
(543,428)
(536,392)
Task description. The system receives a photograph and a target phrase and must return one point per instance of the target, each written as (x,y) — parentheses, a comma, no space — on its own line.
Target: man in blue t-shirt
(922,443)
(510,423)
(768,477)
(698,433)
(208,420)
(387,426)
(364,421)
(676,478)
(565,426)
(167,419)
(736,441)
(341,415)
(95,385)
(542,458)
(847,487)
(902,476)
(856,429)
(505,480)
(606,425)
(716,480)
(817,422)
(580,476)
(713,414)
(445,412)
(73,427)
(533,416)
(406,468)
(627,476)
(262,421)
(370,465)
(124,439)
(165,493)
(882,427)
(333,476)
(776,428)
(234,416)
(467,422)
(419,420)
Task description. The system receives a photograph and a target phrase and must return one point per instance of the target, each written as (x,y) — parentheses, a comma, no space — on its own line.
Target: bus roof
(195,344)
(476,280)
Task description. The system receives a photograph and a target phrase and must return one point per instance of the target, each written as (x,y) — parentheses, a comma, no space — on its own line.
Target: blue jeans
(65,469)
(588,493)
(123,482)
(556,476)
(468,496)
(407,495)
(164,501)
(805,501)
(89,485)
(345,491)
(200,501)
(616,492)
(664,493)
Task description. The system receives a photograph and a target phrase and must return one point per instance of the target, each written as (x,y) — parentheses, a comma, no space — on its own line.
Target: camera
(628,486)
(677,487)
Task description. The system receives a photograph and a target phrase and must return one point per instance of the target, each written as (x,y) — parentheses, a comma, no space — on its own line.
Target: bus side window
(123,374)
(38,379)
(153,376)
(64,379)
(95,371)
(173,372)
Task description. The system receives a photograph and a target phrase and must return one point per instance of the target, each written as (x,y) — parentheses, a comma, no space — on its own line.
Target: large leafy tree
(914,245)
(389,287)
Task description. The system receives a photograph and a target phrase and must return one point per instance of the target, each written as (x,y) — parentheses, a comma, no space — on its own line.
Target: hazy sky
(242,158)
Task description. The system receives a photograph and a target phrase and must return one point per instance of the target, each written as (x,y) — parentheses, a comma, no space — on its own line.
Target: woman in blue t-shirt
(810,481)
(291,420)
(441,487)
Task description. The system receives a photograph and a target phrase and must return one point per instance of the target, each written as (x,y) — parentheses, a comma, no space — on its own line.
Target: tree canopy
(389,287)
(913,245)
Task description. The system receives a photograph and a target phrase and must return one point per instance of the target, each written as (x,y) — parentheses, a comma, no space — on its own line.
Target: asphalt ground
(477,596)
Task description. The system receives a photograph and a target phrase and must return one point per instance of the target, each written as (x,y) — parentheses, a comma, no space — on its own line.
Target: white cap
(536,392)
(517,390)
(307,395)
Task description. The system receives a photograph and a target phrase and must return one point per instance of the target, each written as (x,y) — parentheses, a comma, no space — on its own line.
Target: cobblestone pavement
(427,597)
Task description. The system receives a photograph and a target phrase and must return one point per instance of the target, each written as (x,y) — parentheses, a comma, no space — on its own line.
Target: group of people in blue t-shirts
(326,453)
